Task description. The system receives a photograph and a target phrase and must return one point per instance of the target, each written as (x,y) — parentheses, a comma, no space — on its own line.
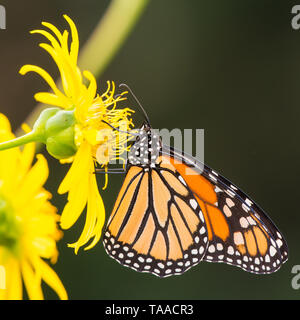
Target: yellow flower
(94,139)
(28,222)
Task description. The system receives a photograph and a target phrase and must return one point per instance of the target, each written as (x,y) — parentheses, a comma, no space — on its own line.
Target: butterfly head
(146,148)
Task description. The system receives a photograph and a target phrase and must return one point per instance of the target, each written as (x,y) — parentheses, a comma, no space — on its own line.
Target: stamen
(106,179)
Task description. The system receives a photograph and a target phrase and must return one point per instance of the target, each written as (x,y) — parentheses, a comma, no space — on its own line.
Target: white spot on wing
(227,211)
(193,203)
(244,223)
(219,246)
(272,251)
(238,238)
(217,189)
(229,202)
(213,177)
(230,250)
(211,248)
(279,243)
(230,193)
(202,230)
(249,202)
(182,180)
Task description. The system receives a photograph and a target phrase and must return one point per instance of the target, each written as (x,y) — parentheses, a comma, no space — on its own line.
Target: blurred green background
(231,67)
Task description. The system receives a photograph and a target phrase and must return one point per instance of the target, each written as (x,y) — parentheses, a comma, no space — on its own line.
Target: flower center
(9,226)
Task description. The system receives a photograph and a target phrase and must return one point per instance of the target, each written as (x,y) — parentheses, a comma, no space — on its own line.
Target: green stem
(20,141)
(110,34)
(105,41)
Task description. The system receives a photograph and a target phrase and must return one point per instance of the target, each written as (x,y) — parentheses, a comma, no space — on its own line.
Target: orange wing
(156,226)
(239,232)
(169,217)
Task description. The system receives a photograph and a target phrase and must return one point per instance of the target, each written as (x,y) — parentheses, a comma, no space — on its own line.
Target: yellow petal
(92,88)
(51,278)
(4,123)
(49,36)
(76,183)
(78,167)
(76,203)
(65,43)
(26,159)
(45,75)
(67,160)
(52,99)
(75,39)
(32,282)
(68,76)
(45,246)
(100,213)
(54,30)
(91,217)
(34,180)
(44,225)
(14,281)
(25,127)
(8,168)
(27,155)
(95,218)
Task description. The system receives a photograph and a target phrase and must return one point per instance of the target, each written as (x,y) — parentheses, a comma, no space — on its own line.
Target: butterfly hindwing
(156,225)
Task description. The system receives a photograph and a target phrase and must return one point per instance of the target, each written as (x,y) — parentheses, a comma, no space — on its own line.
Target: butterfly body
(173,212)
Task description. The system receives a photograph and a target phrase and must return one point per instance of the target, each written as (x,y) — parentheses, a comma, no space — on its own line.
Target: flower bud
(60,134)
(55,128)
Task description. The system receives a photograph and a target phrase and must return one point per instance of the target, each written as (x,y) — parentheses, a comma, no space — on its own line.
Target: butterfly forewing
(239,232)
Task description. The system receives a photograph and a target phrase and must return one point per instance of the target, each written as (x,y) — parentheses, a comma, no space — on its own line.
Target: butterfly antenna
(133,134)
(138,102)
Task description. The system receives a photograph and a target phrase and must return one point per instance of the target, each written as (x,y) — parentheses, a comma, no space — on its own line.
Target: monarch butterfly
(172,212)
